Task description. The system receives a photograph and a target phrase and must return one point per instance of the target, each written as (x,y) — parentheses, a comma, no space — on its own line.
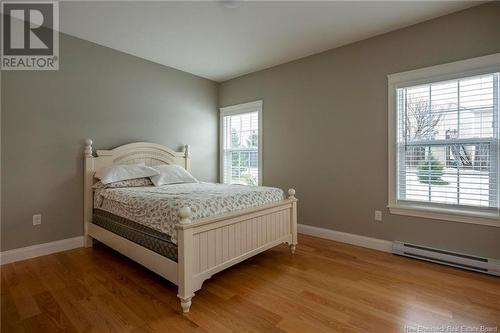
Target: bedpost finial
(88,147)
(185,214)
(291,193)
(187,151)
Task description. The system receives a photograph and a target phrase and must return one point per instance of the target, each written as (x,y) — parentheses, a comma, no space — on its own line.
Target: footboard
(208,246)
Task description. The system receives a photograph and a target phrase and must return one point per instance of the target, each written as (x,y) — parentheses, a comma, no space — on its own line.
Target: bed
(202,236)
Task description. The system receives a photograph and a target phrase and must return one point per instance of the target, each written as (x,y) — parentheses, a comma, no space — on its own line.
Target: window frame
(234,110)
(449,71)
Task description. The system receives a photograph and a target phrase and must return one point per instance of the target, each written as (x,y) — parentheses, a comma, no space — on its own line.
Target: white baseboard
(38,250)
(7,257)
(344,237)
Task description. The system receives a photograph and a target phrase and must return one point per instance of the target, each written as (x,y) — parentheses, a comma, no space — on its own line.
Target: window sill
(447,215)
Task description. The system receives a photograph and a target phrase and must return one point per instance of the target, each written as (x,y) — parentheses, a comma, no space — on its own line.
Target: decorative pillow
(172,174)
(118,173)
(137,182)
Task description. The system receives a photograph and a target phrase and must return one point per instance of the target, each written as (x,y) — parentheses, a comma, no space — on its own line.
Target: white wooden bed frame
(205,246)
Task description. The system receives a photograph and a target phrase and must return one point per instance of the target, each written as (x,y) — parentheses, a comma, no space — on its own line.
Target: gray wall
(98,93)
(325,127)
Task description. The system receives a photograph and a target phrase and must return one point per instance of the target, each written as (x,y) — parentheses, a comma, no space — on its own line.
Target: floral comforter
(158,207)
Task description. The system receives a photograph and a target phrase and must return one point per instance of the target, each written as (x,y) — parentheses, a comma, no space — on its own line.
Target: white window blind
(240,145)
(448,142)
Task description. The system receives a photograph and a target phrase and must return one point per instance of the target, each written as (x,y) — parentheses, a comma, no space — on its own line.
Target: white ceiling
(219,42)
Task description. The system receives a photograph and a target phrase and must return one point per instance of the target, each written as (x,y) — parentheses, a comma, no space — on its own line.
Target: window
(444,141)
(241,144)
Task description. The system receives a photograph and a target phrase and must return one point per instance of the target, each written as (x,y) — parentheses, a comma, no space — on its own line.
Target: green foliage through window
(430,171)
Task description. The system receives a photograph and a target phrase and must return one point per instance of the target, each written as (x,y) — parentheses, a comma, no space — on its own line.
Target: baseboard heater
(460,260)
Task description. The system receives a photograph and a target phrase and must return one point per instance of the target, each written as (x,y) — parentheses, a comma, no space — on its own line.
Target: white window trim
(454,70)
(237,109)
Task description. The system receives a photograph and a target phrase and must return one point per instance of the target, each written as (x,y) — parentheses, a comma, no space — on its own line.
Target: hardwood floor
(325,287)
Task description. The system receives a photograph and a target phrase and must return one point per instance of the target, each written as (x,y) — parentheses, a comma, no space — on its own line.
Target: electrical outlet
(37,219)
(378,215)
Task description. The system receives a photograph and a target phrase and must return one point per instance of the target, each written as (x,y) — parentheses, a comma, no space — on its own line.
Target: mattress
(137,233)
(157,207)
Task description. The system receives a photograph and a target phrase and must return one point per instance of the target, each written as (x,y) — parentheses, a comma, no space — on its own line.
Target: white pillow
(136,182)
(118,173)
(172,174)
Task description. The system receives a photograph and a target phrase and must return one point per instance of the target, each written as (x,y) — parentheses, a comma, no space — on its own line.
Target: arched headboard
(149,153)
